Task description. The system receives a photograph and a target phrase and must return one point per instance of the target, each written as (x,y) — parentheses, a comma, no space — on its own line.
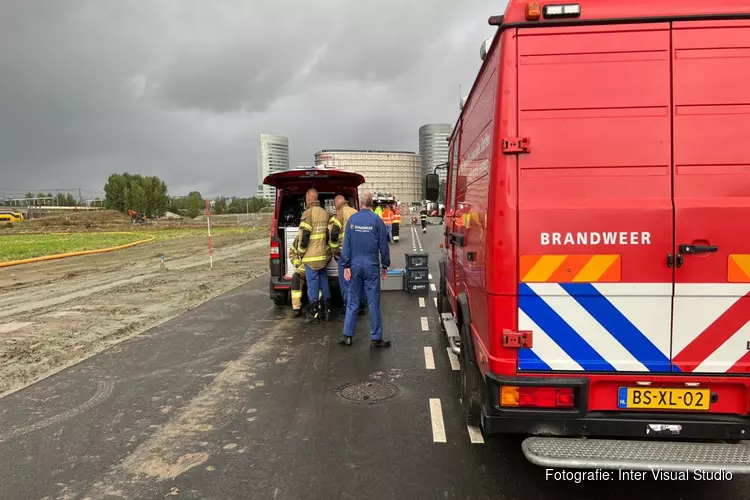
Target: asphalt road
(236,400)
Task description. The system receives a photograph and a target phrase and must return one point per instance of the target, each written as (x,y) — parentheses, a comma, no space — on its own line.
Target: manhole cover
(372,391)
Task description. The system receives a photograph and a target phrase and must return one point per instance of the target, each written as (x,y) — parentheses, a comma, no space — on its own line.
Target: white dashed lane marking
(438,426)
(430,276)
(429,359)
(421,301)
(425,325)
(434,299)
(455,362)
(475,434)
(432,287)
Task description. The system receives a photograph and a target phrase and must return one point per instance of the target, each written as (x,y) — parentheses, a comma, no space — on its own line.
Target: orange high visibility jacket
(397,217)
(388,216)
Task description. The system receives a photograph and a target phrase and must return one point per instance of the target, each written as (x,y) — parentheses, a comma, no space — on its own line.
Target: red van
(291,186)
(595,279)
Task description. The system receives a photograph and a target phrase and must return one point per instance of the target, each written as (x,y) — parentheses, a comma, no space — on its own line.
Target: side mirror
(432,187)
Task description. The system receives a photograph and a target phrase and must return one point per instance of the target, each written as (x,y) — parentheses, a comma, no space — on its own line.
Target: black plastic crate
(417,274)
(419,288)
(416,260)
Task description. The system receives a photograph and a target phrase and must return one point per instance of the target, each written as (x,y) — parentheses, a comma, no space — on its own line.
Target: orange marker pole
(210,243)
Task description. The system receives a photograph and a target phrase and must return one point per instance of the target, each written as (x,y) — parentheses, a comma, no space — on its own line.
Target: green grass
(27,246)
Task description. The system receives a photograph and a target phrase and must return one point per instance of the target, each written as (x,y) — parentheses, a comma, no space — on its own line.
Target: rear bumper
(281,285)
(581,422)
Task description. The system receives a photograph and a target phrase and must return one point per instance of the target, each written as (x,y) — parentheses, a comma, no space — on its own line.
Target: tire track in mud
(25,303)
(103,392)
(185,442)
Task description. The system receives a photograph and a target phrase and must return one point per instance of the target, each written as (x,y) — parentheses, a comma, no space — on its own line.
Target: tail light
(537,397)
(274,249)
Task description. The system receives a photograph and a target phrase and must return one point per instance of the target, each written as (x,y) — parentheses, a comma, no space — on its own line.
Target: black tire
(281,299)
(443,304)
(471,386)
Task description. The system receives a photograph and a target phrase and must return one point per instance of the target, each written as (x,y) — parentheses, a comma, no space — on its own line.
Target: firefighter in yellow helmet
(315,252)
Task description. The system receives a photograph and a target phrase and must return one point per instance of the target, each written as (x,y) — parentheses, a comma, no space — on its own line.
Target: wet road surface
(236,400)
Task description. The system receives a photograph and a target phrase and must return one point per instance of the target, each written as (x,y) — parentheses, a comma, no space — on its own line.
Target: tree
(147,195)
(195,204)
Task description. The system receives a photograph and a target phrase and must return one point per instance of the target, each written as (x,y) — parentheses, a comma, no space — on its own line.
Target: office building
(433,147)
(394,172)
(273,157)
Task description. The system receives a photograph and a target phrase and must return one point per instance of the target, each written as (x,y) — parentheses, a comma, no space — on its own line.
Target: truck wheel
(471,385)
(280,299)
(443,305)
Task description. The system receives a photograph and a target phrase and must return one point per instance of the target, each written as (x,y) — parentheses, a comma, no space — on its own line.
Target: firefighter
(298,279)
(423,218)
(365,258)
(396,223)
(315,252)
(337,228)
(388,220)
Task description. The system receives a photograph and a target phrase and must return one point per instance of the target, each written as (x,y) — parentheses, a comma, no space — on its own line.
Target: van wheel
(471,385)
(281,299)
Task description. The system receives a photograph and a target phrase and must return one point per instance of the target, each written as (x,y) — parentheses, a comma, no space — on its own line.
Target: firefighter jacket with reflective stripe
(313,246)
(397,217)
(337,226)
(295,257)
(423,215)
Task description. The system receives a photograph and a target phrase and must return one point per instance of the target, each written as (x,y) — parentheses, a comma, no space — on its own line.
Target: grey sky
(182,88)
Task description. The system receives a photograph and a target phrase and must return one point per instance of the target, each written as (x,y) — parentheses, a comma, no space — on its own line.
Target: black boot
(296,313)
(380,343)
(326,311)
(313,313)
(342,313)
(344,340)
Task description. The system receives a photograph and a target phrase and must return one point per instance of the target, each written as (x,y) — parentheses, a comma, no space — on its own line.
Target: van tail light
(274,248)
(537,397)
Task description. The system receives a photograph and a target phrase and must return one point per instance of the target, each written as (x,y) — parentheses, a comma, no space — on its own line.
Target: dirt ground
(56,313)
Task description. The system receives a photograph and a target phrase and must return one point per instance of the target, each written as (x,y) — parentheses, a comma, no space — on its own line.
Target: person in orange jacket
(396,223)
(388,220)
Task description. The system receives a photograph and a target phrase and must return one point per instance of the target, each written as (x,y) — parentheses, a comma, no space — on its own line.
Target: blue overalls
(365,249)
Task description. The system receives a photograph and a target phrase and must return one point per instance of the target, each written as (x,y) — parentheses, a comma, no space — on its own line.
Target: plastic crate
(416,260)
(419,288)
(417,274)
(394,281)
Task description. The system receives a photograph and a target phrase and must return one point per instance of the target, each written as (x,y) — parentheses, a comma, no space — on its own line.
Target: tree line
(148,195)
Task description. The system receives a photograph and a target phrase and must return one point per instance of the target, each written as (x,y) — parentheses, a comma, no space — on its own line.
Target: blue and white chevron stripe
(602,327)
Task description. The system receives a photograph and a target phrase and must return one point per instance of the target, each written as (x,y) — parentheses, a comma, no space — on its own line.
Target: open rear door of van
(712,196)
(595,198)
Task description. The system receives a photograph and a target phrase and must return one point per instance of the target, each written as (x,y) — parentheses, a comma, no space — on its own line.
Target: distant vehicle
(291,186)
(595,277)
(8,216)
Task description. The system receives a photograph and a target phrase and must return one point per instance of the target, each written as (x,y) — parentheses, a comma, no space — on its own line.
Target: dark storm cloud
(182,88)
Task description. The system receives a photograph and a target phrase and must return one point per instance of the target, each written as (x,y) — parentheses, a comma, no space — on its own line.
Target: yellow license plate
(664,399)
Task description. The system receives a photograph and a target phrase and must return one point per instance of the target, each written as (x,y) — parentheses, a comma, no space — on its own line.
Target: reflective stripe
(317,236)
(337,222)
(296,294)
(315,259)
(333,245)
(305,225)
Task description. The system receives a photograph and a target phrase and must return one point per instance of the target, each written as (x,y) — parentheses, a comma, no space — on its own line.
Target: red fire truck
(595,278)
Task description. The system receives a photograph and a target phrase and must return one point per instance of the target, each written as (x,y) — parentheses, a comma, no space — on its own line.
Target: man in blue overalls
(365,251)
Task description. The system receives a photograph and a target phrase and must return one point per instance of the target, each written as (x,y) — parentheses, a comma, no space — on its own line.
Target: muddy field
(56,313)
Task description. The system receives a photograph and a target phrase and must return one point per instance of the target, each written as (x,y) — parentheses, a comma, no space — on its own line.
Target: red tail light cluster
(274,249)
(537,397)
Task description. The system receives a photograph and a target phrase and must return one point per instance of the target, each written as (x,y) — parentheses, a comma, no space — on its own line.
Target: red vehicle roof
(328,175)
(628,9)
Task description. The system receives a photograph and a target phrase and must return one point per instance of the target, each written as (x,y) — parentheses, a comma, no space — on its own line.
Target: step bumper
(578,453)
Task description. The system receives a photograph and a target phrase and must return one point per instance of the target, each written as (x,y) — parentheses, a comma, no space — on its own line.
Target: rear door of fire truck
(595,199)
(711,61)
